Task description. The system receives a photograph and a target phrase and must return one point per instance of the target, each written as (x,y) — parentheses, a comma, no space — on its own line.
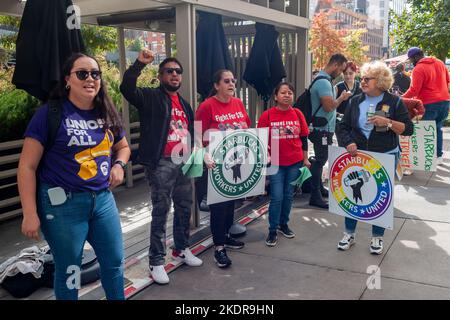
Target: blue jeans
(350,227)
(281,195)
(91,216)
(437,111)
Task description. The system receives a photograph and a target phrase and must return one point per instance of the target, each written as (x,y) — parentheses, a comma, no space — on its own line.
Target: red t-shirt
(178,129)
(286,127)
(215,114)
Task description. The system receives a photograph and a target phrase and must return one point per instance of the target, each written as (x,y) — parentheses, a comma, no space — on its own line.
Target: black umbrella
(265,67)
(212,51)
(47,37)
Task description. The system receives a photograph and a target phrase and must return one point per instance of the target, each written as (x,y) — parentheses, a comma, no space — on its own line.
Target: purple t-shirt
(80,158)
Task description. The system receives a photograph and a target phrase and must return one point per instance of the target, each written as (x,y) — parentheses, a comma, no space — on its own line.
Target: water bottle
(370,111)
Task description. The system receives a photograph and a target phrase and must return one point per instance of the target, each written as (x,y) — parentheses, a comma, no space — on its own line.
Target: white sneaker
(347,241)
(376,245)
(187,257)
(439,160)
(408,172)
(159,274)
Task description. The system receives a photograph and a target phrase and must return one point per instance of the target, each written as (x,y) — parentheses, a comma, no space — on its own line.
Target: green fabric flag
(304,174)
(194,166)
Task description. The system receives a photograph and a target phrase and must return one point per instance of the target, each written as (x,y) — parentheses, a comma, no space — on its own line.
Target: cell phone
(383,114)
(57,196)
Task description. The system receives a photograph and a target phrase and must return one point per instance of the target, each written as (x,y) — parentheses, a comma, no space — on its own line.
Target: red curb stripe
(197,249)
(129,291)
(245,220)
(169,266)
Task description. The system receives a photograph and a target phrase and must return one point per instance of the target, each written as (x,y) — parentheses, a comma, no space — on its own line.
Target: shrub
(16,109)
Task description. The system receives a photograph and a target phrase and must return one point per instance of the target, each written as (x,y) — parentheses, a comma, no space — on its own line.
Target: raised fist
(355,181)
(146,56)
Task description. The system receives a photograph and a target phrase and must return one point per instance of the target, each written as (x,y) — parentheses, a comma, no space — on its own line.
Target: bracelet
(389,125)
(120,163)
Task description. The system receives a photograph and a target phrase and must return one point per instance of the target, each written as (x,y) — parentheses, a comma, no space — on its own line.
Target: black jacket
(155,110)
(349,131)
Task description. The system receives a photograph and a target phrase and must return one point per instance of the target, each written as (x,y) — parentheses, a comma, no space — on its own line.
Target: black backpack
(304,104)
(54,116)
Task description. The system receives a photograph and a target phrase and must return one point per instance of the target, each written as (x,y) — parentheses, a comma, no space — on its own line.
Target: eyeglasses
(227,81)
(84,74)
(366,79)
(171,70)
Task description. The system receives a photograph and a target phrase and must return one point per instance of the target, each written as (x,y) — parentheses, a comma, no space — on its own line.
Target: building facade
(352,14)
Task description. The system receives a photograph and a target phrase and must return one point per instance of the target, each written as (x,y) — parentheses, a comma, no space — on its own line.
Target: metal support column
(168,44)
(185,33)
(125,105)
(302,73)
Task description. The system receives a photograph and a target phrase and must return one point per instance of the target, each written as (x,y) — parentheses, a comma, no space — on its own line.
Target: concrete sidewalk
(414,265)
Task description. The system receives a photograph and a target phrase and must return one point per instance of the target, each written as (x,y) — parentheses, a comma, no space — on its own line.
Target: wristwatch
(120,163)
(389,125)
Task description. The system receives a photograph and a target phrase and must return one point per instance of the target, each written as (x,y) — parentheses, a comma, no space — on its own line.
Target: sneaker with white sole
(376,245)
(408,172)
(221,258)
(439,161)
(159,274)
(272,239)
(187,257)
(286,231)
(347,241)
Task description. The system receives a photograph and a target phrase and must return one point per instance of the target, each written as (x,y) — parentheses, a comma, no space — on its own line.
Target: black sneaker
(285,231)
(271,240)
(232,243)
(221,258)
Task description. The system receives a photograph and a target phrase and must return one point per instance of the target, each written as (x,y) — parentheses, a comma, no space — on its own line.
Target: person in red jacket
(221,111)
(430,81)
(288,134)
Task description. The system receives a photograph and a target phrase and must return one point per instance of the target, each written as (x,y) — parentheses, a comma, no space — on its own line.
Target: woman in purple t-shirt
(69,196)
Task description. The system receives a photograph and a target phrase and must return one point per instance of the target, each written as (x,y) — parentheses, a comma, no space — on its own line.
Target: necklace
(347,88)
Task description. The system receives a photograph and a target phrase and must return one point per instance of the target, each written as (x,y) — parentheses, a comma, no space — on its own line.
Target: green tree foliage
(8,41)
(98,39)
(136,45)
(355,50)
(425,25)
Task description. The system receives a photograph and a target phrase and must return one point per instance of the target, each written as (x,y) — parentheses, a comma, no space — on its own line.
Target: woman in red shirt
(221,111)
(289,151)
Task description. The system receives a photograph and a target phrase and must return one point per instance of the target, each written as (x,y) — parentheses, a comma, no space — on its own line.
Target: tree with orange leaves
(324,39)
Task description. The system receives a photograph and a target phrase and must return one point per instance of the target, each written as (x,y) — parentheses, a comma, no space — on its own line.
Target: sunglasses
(366,79)
(171,70)
(83,74)
(227,81)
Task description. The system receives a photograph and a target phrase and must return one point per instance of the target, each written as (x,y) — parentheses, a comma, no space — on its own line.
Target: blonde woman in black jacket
(373,121)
